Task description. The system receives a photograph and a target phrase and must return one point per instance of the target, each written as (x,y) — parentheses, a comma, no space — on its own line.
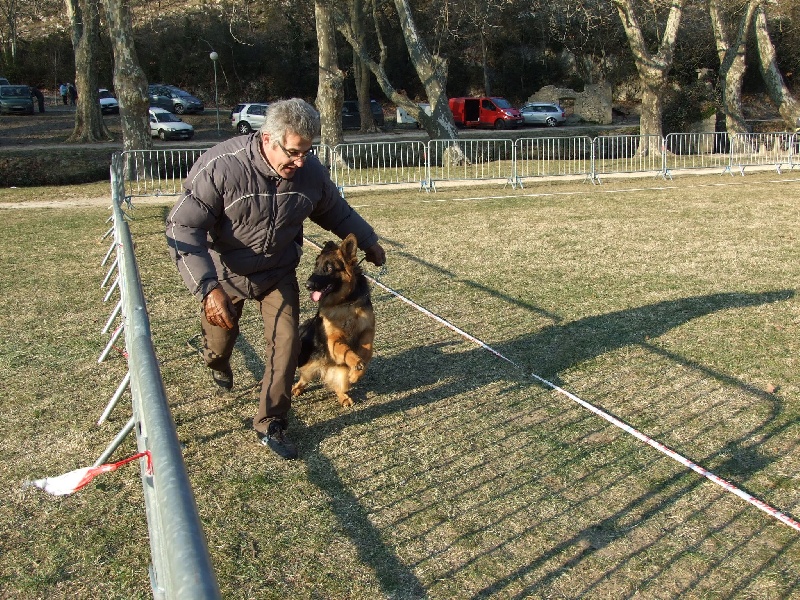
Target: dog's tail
(307,332)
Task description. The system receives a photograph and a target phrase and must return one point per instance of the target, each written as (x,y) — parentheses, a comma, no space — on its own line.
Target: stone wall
(592,105)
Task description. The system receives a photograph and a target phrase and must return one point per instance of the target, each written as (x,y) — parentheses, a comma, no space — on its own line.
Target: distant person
(36,92)
(73,94)
(63,89)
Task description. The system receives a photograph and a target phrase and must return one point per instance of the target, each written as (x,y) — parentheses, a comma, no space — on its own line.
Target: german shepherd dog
(336,344)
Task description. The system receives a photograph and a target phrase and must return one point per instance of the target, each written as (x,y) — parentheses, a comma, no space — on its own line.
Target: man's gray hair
(290,116)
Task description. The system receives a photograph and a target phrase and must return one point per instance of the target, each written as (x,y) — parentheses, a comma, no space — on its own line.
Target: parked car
(543,113)
(403,118)
(173,99)
(484,112)
(351,116)
(4,81)
(168,126)
(248,116)
(16,99)
(108,104)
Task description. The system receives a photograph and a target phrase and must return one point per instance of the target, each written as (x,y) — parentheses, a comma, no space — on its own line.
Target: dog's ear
(349,248)
(329,246)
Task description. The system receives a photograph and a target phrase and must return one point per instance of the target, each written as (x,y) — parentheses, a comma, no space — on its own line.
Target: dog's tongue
(315,296)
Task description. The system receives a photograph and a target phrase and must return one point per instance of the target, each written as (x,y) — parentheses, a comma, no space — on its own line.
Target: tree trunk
(780,94)
(431,70)
(84,19)
(487,84)
(652,68)
(329,89)
(130,82)
(732,65)
(361,71)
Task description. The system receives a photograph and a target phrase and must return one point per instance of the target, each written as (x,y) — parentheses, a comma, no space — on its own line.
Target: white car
(168,126)
(248,116)
(108,104)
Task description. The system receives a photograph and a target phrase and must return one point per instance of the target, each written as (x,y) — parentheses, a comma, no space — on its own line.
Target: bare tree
(361,72)
(84,18)
(731,51)
(10,11)
(431,70)
(329,89)
(130,82)
(652,68)
(776,87)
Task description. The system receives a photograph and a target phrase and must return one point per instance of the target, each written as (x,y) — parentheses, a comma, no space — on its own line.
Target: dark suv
(351,118)
(173,99)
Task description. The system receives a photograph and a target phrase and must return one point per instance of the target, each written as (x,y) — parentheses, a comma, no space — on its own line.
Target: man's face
(286,157)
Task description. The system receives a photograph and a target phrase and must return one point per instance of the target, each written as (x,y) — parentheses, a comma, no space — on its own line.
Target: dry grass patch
(672,306)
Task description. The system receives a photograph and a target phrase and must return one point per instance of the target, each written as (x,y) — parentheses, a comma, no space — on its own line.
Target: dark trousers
(280,310)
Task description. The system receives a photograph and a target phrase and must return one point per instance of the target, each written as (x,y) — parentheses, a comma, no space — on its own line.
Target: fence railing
(157,172)
(181,567)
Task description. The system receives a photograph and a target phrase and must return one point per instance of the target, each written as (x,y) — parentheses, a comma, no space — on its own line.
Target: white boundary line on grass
(726,485)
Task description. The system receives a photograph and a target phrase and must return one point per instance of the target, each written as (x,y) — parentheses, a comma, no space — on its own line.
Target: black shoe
(223,379)
(277,441)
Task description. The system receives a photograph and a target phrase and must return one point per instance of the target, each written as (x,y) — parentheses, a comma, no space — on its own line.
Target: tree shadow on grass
(546,352)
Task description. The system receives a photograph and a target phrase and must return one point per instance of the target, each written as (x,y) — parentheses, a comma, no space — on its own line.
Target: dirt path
(84,202)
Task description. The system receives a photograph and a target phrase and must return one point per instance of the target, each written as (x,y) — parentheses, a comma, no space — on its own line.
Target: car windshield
(15,91)
(167,118)
(501,102)
(106,94)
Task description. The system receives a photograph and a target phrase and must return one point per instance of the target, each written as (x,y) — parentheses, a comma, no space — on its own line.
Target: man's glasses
(294,155)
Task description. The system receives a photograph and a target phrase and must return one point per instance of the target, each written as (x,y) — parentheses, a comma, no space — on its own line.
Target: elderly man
(236,235)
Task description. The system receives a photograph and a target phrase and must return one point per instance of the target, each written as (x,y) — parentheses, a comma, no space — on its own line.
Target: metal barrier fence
(157,172)
(762,149)
(470,160)
(553,157)
(181,567)
(378,163)
(627,154)
(697,151)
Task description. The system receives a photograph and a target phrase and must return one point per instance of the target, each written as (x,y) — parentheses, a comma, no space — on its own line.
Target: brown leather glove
(375,255)
(219,309)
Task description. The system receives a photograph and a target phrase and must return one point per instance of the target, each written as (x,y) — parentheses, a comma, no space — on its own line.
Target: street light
(214,58)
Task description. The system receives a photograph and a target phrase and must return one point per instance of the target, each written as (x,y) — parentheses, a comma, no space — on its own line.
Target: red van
(484,112)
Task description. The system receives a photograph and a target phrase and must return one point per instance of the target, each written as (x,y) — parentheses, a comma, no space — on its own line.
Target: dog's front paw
(297,389)
(345,400)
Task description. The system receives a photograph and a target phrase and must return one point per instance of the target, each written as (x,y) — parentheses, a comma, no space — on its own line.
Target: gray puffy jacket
(240,225)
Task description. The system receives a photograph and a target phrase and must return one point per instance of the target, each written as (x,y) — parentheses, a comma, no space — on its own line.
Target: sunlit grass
(672,305)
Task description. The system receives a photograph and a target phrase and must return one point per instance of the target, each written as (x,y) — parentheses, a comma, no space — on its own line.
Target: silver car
(542,113)
(248,116)
(173,99)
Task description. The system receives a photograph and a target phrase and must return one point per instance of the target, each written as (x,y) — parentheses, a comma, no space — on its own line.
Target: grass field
(672,306)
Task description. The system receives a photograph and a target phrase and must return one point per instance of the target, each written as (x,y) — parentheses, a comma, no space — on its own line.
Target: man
(36,92)
(236,235)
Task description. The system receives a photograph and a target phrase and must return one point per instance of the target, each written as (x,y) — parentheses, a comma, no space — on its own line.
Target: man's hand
(219,309)
(375,255)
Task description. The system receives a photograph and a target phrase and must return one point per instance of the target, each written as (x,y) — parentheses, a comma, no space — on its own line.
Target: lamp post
(214,58)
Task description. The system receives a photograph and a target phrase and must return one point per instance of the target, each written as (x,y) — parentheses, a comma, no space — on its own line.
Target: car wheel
(551,122)
(499,124)
(179,109)
(244,128)
(162,134)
